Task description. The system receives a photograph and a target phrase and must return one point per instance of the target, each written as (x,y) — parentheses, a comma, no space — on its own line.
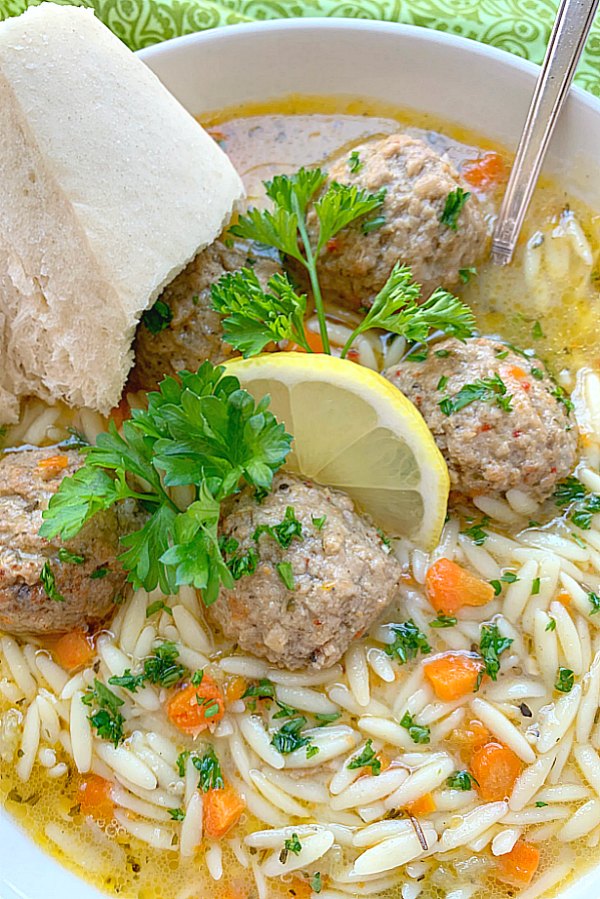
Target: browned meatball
(489,448)
(27,481)
(343,576)
(194,333)
(417,181)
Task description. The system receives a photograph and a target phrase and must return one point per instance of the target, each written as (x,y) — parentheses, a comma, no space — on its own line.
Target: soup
(380,773)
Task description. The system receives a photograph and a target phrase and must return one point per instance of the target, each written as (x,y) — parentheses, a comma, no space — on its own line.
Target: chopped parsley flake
(536,331)
(286,574)
(319,521)
(316,882)
(289,737)
(408,642)
(177,814)
(417,732)
(98,574)
(485,390)
(292,845)
(585,504)
(535,586)
(367,759)
(461,780)
(594,602)
(442,382)
(565,679)
(354,163)
(491,646)
(373,224)
(465,274)
(551,626)
(476,533)
(443,621)
(208,765)
(158,317)
(161,669)
(264,689)
(49,583)
(284,532)
(158,606)
(65,555)
(107,718)
(455,201)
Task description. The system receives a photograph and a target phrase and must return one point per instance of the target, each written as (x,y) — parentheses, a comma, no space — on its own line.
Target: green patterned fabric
(519,26)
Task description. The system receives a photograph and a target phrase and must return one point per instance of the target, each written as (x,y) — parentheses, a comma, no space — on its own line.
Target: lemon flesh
(355,431)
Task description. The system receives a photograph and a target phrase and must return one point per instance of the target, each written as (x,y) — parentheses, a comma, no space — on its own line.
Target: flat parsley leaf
(211,777)
(289,737)
(201,430)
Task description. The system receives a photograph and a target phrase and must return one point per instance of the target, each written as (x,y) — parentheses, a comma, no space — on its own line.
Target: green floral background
(519,26)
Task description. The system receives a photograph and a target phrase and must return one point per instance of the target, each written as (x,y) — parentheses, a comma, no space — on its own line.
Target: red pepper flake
(332,244)
(553,469)
(526,385)
(353,355)
(517,434)
(485,427)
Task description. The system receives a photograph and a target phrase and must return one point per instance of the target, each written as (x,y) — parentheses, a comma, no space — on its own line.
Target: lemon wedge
(355,431)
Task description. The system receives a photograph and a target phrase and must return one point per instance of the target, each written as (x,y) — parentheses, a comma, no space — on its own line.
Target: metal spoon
(569,34)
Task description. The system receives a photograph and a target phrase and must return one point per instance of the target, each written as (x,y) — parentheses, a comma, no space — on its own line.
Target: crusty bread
(108,188)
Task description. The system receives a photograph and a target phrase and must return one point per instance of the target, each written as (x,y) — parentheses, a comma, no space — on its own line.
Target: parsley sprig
(160,668)
(285,228)
(253,317)
(408,642)
(491,646)
(202,431)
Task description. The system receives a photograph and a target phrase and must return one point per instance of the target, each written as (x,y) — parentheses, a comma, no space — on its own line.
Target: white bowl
(455,79)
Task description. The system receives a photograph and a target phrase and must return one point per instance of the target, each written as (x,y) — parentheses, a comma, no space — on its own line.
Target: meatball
(343,576)
(525,438)
(194,332)
(355,265)
(28,479)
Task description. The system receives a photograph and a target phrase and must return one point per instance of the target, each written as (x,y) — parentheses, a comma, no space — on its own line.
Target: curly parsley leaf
(253,317)
(158,317)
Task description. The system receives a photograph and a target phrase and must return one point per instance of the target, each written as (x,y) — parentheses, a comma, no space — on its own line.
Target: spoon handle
(569,34)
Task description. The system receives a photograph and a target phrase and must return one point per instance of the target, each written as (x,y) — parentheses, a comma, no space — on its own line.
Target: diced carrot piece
(235,689)
(313,340)
(487,171)
(564,598)
(72,650)
(495,768)
(235,890)
(470,737)
(299,889)
(193,708)
(121,412)
(422,806)
(518,866)
(94,798)
(450,587)
(221,811)
(515,371)
(52,466)
(453,674)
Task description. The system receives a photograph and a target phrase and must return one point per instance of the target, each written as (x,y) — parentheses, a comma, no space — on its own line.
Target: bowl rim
(420,33)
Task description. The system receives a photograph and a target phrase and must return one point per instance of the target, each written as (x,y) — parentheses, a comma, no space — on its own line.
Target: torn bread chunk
(109,188)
